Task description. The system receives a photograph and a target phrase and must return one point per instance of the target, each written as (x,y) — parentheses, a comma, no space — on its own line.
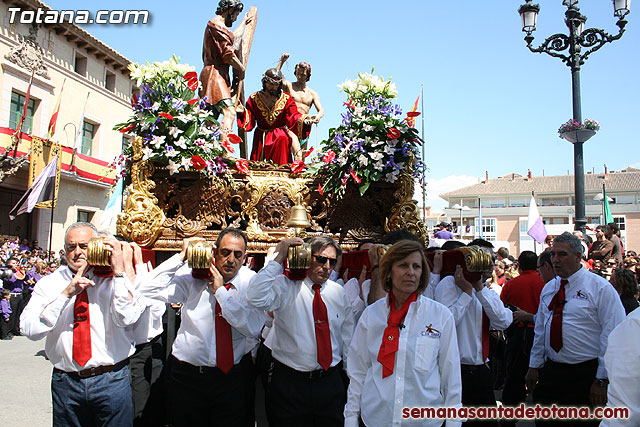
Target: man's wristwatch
(121,274)
(602,382)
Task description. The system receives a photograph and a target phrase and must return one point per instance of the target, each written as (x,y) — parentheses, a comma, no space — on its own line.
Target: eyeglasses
(323,259)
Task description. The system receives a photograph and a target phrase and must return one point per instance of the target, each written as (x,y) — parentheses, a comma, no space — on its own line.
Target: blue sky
(489,103)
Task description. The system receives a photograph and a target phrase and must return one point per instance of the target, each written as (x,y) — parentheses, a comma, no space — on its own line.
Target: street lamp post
(591,39)
(461,208)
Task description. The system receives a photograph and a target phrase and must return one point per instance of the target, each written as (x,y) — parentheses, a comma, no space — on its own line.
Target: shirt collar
(575,276)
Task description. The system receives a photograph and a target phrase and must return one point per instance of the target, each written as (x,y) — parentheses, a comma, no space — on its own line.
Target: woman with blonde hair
(404,351)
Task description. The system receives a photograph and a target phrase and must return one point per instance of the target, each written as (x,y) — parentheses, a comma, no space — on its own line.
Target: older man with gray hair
(578,310)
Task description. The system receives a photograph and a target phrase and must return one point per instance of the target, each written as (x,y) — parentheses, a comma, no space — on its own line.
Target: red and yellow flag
(54,116)
(413,113)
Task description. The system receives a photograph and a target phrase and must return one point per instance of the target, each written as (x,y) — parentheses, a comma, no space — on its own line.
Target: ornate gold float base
(161,209)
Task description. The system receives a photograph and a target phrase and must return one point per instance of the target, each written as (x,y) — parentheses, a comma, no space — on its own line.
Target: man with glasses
(312,329)
(578,310)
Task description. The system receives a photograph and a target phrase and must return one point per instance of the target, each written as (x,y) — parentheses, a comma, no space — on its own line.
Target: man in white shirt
(312,328)
(475,309)
(212,373)
(578,310)
(83,317)
(623,366)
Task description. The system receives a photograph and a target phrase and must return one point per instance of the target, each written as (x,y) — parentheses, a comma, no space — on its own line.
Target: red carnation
(227,146)
(127,129)
(198,162)
(393,133)
(297,166)
(413,114)
(166,116)
(193,101)
(242,165)
(192,80)
(307,153)
(320,189)
(328,158)
(234,139)
(355,177)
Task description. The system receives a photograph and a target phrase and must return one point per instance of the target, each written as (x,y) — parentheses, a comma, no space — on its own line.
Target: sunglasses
(323,259)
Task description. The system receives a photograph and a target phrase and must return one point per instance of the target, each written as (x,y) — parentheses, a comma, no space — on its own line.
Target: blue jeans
(103,400)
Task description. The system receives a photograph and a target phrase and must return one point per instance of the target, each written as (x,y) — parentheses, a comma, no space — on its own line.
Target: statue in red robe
(274,114)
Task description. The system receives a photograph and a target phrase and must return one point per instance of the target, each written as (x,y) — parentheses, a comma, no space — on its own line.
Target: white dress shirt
(111,309)
(292,338)
(467,313)
(592,310)
(195,342)
(426,371)
(622,360)
(149,325)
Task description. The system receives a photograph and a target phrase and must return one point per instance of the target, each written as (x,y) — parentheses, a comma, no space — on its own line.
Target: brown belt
(97,370)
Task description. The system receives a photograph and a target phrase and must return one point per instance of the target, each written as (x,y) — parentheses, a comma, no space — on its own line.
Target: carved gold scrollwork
(142,219)
(404,214)
(260,185)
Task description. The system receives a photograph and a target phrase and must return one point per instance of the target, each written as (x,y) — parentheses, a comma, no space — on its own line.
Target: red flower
(198,162)
(413,114)
(350,104)
(242,165)
(297,166)
(307,153)
(166,116)
(227,146)
(134,100)
(127,129)
(193,101)
(192,80)
(393,133)
(320,189)
(328,158)
(234,139)
(355,177)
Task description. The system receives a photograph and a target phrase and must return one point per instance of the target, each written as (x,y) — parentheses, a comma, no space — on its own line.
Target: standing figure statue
(218,53)
(304,96)
(273,113)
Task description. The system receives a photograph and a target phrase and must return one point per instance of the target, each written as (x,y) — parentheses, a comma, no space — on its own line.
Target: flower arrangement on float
(178,131)
(374,143)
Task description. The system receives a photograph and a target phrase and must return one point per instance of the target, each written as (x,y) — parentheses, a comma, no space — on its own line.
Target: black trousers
(145,368)
(17,305)
(566,385)
(293,399)
(202,396)
(517,352)
(4,328)
(477,390)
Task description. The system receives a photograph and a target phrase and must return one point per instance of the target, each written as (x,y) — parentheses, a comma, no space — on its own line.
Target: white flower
(157,141)
(174,131)
(393,142)
(367,128)
(376,155)
(363,160)
(392,176)
(182,142)
(207,147)
(171,152)
(147,153)
(376,143)
(155,106)
(185,163)
(379,165)
(342,160)
(389,149)
(182,117)
(173,167)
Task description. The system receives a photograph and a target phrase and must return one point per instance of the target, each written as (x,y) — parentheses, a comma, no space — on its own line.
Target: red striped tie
(323,335)
(81,329)
(557,305)
(224,343)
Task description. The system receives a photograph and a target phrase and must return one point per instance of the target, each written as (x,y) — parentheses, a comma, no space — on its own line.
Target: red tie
(485,336)
(323,336)
(557,305)
(81,329)
(224,343)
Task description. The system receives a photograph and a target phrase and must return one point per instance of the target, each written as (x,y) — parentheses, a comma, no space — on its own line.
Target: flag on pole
(535,226)
(114,206)
(411,115)
(608,218)
(54,116)
(42,190)
(78,143)
(25,107)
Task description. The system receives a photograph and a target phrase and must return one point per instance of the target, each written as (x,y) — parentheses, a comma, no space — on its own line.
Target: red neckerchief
(391,335)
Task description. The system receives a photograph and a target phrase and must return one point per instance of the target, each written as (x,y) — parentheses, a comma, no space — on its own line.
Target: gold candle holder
(200,255)
(477,258)
(98,254)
